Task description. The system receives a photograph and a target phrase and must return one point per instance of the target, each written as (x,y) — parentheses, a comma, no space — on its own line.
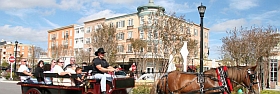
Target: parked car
(145,79)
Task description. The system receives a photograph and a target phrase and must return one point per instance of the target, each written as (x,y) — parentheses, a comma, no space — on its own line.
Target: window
(142,20)
(149,20)
(141,49)
(95,39)
(82,40)
(150,70)
(149,49)
(129,34)
(155,34)
(141,34)
(129,48)
(77,31)
(88,30)
(273,70)
(195,32)
(22,48)
(120,48)
(76,40)
(130,22)
(188,30)
(82,30)
(149,35)
(155,49)
(87,40)
(66,34)
(120,36)
(120,24)
(111,24)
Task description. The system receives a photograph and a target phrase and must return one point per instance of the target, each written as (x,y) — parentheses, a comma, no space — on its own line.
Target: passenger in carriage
(53,63)
(39,72)
(47,69)
(24,69)
(58,69)
(80,78)
(102,68)
(72,62)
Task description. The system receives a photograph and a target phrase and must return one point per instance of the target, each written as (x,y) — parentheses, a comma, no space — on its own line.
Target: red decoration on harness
(229,85)
(228,80)
(219,78)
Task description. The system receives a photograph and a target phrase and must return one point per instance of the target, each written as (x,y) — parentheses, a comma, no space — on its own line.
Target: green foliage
(270,92)
(4,63)
(141,90)
(15,77)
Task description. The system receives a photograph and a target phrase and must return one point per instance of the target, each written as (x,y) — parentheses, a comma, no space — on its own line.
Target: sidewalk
(277,88)
(7,81)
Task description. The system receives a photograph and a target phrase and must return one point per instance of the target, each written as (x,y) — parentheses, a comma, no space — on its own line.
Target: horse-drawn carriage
(118,85)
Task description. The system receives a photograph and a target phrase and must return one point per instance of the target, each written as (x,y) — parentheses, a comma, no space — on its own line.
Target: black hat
(100,50)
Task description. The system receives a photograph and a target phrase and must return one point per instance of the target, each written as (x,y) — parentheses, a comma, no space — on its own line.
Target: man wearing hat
(102,68)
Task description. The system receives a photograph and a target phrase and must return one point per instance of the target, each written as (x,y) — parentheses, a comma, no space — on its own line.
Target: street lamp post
(123,57)
(89,50)
(1,56)
(15,57)
(201,10)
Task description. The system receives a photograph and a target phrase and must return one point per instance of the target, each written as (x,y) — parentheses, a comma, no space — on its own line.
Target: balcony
(129,27)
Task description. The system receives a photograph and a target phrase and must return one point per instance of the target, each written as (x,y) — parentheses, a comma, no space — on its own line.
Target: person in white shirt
(24,69)
(58,69)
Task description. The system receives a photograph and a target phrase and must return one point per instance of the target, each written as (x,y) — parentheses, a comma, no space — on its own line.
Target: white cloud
(228,25)
(22,33)
(19,4)
(51,23)
(242,4)
(101,14)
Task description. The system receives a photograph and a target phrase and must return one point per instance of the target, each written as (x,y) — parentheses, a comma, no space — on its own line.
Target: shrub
(270,92)
(7,76)
(144,89)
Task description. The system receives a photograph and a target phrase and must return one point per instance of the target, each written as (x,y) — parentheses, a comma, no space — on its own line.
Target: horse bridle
(252,77)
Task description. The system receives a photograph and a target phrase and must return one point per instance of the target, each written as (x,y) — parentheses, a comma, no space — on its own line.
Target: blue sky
(28,20)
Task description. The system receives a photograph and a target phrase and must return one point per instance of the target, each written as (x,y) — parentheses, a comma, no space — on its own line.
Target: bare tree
(138,45)
(105,36)
(170,30)
(251,46)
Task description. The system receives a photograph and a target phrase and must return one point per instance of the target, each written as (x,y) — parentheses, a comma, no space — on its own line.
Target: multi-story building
(131,26)
(61,42)
(24,51)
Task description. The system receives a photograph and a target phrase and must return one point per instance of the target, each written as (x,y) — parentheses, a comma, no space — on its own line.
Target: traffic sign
(12,59)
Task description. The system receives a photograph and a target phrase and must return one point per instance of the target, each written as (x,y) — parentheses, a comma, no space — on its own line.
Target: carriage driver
(102,68)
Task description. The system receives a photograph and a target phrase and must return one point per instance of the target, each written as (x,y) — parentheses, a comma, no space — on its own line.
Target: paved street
(9,88)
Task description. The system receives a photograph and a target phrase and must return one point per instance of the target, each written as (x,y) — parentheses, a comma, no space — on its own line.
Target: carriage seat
(58,79)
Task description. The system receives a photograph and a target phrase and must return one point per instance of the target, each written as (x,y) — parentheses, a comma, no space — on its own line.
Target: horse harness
(224,82)
(252,77)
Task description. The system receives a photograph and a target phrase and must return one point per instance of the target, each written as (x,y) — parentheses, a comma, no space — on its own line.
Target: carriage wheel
(33,91)
(121,91)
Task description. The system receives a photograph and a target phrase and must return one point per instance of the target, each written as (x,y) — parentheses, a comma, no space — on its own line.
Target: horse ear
(254,67)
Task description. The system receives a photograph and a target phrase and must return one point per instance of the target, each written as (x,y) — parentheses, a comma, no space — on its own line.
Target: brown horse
(177,82)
